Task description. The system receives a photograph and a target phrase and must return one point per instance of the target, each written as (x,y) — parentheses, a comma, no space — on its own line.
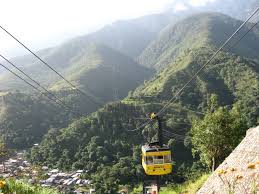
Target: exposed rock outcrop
(239,173)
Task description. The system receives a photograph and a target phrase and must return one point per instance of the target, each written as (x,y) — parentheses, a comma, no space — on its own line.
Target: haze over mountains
(146,60)
(233,76)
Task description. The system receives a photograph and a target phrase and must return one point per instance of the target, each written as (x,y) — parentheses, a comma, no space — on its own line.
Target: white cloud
(180,7)
(43,23)
(198,3)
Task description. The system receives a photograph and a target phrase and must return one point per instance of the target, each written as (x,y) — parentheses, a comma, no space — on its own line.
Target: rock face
(239,173)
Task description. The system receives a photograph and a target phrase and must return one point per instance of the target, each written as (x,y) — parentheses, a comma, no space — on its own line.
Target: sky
(46,23)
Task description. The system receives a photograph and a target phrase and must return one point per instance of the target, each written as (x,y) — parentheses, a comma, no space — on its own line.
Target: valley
(129,69)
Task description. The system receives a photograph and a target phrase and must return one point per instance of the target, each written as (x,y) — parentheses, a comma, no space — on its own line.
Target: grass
(20,187)
(137,190)
(189,187)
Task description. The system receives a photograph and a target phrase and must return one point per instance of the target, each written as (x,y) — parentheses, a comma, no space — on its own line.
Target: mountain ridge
(104,134)
(174,39)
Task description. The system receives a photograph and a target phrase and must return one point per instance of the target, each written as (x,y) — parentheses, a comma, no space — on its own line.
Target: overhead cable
(55,71)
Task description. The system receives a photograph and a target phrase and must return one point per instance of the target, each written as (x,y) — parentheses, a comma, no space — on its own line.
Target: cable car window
(150,159)
(167,158)
(158,159)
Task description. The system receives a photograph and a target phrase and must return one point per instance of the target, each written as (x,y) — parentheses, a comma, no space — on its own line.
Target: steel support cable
(167,133)
(154,126)
(198,112)
(38,84)
(34,87)
(213,56)
(55,71)
(233,45)
(176,123)
(178,94)
(174,134)
(175,139)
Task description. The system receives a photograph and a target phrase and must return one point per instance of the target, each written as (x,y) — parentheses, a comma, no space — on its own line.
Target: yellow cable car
(156,157)
(156,160)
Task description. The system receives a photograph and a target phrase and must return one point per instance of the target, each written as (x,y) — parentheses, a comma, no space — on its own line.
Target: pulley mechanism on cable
(156,157)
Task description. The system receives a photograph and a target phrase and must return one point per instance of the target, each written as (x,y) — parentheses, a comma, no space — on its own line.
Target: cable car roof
(154,148)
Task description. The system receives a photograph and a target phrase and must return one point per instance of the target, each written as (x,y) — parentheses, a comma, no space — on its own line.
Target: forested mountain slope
(105,74)
(196,32)
(25,118)
(101,142)
(101,69)
(92,69)
(235,8)
(129,37)
(238,9)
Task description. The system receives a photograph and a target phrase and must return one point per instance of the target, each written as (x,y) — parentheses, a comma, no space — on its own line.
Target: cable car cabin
(156,160)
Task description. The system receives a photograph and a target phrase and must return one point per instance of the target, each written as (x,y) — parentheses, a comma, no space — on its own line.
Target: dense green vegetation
(11,186)
(101,145)
(25,118)
(95,68)
(199,31)
(102,142)
(217,134)
(101,69)
(189,187)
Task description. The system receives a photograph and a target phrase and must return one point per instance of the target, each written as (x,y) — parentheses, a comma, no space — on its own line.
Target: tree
(4,154)
(217,134)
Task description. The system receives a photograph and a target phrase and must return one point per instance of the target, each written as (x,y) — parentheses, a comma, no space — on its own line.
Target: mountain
(26,118)
(233,75)
(238,9)
(102,72)
(196,32)
(103,142)
(128,37)
(97,69)
(235,8)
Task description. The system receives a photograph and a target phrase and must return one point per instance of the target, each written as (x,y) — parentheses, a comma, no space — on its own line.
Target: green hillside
(100,143)
(101,69)
(197,32)
(238,9)
(129,37)
(25,118)
(232,76)
(235,8)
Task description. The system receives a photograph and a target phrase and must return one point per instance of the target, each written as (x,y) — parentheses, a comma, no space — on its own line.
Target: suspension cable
(213,56)
(37,83)
(55,71)
(34,87)
(178,94)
